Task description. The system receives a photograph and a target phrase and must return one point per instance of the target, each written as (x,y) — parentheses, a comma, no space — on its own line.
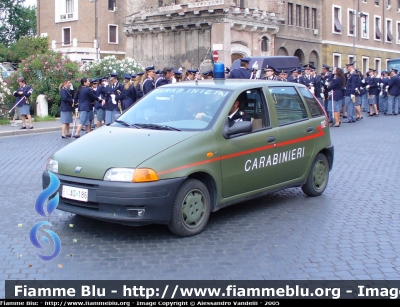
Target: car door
(247,161)
(297,133)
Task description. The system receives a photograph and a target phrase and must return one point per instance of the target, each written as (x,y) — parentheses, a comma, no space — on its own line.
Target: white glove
(255,65)
(113,98)
(381,84)
(76,110)
(352,96)
(387,87)
(322,95)
(363,81)
(380,94)
(71,87)
(367,87)
(326,83)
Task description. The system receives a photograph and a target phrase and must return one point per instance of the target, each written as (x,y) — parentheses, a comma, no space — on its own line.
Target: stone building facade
(300,31)
(366,32)
(73,26)
(184,33)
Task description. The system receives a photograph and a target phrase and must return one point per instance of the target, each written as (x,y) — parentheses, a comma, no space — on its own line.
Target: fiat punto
(175,156)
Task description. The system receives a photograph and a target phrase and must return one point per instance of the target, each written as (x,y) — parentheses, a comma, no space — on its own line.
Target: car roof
(230,84)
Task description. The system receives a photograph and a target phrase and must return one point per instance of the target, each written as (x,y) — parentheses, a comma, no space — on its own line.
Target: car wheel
(318,177)
(191,209)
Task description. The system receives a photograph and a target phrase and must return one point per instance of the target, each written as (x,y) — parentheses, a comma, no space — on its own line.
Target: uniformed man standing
(307,80)
(350,93)
(165,77)
(294,76)
(114,96)
(243,71)
(384,93)
(393,89)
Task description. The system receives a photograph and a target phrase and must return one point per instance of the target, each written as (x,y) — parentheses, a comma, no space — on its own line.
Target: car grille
(88,205)
(79,184)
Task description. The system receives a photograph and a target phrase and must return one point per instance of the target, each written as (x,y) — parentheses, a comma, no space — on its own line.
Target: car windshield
(175,108)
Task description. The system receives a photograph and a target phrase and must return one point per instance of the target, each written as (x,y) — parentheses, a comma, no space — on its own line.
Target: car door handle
(310,129)
(271,139)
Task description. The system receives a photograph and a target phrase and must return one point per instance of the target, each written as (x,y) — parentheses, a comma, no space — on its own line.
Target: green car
(176,155)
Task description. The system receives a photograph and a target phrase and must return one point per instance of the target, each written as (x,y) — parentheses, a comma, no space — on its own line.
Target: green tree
(27,46)
(16,21)
(4,53)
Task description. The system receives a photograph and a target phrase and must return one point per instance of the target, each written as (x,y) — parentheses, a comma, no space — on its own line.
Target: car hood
(109,147)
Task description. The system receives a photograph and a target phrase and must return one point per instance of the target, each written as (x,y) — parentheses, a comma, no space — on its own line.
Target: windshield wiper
(127,124)
(157,127)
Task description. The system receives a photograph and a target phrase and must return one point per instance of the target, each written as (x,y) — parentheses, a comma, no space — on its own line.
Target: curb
(33,131)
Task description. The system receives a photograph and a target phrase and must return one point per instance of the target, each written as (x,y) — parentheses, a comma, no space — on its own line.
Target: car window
(289,106)
(313,105)
(253,105)
(190,108)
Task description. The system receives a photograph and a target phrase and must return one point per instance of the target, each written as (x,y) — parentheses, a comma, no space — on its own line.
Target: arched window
(264,44)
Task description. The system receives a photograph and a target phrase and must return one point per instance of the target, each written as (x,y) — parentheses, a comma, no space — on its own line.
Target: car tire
(191,209)
(318,176)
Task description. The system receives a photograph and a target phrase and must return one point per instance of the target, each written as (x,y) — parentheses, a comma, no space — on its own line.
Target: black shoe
(344,116)
(77,136)
(30,127)
(348,121)
(68,135)
(377,115)
(23,128)
(370,114)
(64,137)
(336,125)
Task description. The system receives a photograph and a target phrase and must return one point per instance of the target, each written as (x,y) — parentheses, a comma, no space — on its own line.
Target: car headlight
(52,166)
(131,175)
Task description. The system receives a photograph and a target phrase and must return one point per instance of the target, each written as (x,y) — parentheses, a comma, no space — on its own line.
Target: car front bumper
(120,202)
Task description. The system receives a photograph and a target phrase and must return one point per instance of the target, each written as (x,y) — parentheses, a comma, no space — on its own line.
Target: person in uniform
(190,75)
(114,96)
(177,76)
(129,93)
(282,76)
(94,84)
(165,77)
(269,73)
(22,95)
(137,85)
(358,100)
(336,94)
(148,79)
(67,101)
(243,71)
(372,88)
(294,77)
(85,95)
(393,89)
(235,115)
(98,106)
(209,74)
(307,80)
(384,94)
(350,93)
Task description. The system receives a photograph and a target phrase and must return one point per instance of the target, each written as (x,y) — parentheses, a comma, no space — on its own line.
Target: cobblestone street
(350,232)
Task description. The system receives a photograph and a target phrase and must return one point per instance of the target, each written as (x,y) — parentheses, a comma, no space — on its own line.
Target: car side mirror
(237,128)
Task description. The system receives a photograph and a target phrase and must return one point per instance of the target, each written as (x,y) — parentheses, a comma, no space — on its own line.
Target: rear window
(288,103)
(313,105)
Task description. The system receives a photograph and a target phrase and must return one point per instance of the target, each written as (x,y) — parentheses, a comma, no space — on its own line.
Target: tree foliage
(16,21)
(45,73)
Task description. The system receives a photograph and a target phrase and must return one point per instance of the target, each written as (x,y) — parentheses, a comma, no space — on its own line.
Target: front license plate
(75,193)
